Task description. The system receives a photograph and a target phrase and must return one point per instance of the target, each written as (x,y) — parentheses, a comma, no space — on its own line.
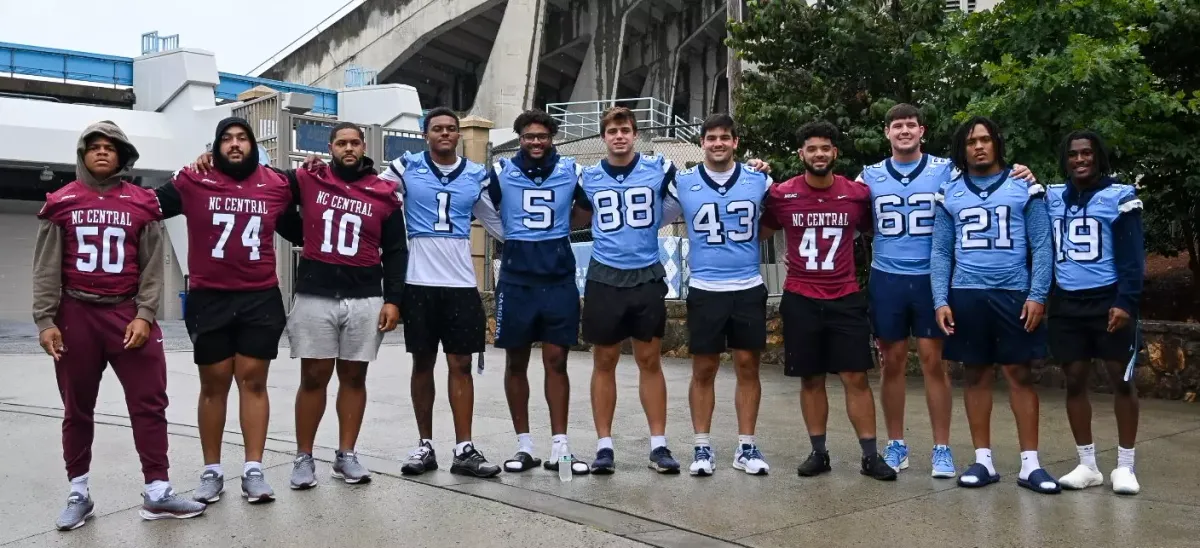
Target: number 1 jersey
(820,225)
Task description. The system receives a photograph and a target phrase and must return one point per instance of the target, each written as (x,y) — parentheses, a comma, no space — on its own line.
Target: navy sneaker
(662,462)
(604,465)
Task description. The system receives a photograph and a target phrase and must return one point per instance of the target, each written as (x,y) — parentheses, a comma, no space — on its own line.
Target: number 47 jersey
(722,225)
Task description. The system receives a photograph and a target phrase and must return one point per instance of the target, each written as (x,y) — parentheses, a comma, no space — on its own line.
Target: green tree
(845,61)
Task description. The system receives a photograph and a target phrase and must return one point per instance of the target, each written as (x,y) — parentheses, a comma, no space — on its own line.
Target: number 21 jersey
(820,226)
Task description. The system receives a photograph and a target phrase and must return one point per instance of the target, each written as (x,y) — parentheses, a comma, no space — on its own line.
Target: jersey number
(893,223)
(348,227)
(976,220)
(810,251)
(1083,233)
(538,213)
(443,213)
(633,208)
(110,256)
(707,219)
(249,234)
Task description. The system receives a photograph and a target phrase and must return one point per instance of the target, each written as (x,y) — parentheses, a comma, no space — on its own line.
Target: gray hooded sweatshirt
(48,249)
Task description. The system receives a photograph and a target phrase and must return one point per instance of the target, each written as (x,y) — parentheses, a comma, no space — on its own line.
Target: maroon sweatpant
(94,336)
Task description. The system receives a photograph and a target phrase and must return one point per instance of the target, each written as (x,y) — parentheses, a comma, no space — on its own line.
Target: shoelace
(704,453)
(663,453)
(419,453)
(895,452)
(941,457)
(753,453)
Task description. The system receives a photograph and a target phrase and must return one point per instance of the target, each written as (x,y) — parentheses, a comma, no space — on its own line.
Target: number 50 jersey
(722,226)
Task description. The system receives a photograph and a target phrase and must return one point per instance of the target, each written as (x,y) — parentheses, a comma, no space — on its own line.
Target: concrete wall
(1168,369)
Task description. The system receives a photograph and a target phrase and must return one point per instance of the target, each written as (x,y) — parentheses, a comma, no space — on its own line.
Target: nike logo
(261,185)
(126,196)
(209,181)
(160,340)
(842,196)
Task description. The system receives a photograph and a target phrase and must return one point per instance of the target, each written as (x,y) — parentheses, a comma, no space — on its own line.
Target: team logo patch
(422,171)
(790,195)
(1056,203)
(515,174)
(959,193)
(695,188)
(881,178)
(597,177)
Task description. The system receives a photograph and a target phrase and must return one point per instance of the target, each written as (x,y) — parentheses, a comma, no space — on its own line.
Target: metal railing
(357,77)
(153,43)
(582,118)
(65,65)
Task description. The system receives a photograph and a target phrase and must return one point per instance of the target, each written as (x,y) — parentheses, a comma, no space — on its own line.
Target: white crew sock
(702,440)
(156,489)
(215,468)
(1087,455)
(1124,458)
(1029,463)
(525,443)
(559,446)
(657,441)
(901,442)
(604,443)
(80,485)
(251,465)
(460,448)
(984,457)
(745,439)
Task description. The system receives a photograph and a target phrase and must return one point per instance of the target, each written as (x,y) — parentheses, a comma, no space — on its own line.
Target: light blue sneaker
(896,455)
(943,462)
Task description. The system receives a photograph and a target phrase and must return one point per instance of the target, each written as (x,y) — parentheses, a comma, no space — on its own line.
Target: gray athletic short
(323,328)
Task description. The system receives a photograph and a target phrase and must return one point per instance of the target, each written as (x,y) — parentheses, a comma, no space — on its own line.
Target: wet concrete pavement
(634,506)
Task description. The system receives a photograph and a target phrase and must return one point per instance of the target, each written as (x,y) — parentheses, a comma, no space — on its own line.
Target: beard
(808,168)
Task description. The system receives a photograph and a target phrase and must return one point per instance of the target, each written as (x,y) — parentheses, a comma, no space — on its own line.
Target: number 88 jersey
(722,225)
(1083,234)
(627,210)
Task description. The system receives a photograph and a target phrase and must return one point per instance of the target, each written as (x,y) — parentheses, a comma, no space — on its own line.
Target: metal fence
(673,242)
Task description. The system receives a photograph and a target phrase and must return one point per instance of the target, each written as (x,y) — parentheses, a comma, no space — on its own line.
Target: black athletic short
(1078,324)
(612,314)
(825,336)
(719,320)
(224,323)
(452,316)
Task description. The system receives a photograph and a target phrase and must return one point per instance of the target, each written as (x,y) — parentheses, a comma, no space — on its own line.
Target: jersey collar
(620,174)
(445,179)
(911,176)
(983,193)
(737,172)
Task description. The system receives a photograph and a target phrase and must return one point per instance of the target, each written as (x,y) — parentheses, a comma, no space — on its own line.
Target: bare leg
(310,400)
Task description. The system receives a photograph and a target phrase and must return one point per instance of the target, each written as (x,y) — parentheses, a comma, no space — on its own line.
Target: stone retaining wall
(1169,368)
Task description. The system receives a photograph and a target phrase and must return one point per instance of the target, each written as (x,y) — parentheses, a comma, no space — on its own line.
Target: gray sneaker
(255,488)
(346,467)
(79,508)
(170,506)
(304,472)
(211,486)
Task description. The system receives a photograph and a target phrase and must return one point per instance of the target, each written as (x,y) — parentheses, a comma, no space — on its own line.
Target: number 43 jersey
(722,225)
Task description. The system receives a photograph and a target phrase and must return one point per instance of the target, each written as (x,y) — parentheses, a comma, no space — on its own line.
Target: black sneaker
(421,460)
(472,463)
(662,462)
(815,465)
(605,462)
(874,466)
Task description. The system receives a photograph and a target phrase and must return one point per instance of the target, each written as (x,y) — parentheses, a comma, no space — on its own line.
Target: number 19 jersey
(1083,235)
(722,226)
(903,205)
(820,225)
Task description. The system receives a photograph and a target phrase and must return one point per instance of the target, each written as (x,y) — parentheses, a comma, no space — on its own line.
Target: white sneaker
(702,461)
(1124,482)
(1082,477)
(750,460)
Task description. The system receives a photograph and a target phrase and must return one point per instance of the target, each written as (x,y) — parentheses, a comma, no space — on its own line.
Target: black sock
(869,447)
(818,443)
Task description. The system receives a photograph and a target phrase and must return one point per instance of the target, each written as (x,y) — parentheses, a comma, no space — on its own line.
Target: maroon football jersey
(820,226)
(343,221)
(231,227)
(101,232)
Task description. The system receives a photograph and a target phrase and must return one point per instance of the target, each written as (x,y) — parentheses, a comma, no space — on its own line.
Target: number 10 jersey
(343,221)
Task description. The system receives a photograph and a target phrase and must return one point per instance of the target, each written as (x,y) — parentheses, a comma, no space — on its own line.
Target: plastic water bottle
(564,468)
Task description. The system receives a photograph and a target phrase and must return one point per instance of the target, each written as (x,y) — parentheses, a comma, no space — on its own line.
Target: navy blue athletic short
(988,329)
(902,305)
(529,314)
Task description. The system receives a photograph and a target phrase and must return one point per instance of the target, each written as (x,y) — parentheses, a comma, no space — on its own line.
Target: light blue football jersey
(990,247)
(1083,235)
(437,205)
(627,210)
(537,210)
(722,222)
(903,205)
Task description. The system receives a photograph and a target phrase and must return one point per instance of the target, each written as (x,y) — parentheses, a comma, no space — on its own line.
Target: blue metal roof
(118,71)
